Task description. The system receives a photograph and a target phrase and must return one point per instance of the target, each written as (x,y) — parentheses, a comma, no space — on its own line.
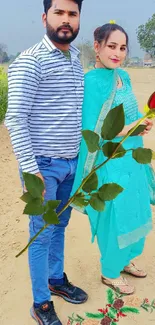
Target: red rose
(151,101)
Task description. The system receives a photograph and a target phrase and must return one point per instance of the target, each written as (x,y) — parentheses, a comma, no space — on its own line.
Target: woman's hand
(127,128)
(149,124)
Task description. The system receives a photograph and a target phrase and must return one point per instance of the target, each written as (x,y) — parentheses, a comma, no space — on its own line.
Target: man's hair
(48,3)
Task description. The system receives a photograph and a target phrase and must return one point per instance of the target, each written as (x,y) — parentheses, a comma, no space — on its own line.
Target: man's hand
(41,177)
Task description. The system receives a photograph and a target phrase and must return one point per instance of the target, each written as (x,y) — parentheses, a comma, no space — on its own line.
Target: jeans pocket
(44,162)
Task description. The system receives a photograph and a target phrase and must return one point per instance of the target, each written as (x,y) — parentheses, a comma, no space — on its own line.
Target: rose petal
(151,101)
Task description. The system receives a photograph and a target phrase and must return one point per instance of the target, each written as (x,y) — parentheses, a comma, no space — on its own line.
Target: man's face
(62,21)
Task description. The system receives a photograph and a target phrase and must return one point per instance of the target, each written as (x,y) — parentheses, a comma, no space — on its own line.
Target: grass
(5,66)
(3,92)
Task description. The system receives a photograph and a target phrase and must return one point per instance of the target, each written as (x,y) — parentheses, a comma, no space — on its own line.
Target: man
(44,122)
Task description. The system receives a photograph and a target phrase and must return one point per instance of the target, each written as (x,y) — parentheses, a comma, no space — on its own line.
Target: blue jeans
(46,253)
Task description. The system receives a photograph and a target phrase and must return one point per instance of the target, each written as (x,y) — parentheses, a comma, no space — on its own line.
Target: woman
(122,227)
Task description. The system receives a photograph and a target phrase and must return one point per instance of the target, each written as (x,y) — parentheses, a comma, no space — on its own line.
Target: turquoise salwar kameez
(122,227)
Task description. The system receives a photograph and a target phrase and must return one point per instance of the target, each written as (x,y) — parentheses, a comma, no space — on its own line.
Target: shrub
(3,93)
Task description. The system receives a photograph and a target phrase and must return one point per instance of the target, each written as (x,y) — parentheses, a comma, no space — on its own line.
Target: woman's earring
(97,58)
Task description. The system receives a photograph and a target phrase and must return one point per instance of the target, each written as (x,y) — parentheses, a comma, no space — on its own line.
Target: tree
(4,57)
(3,48)
(87,54)
(146,36)
(3,54)
(18,53)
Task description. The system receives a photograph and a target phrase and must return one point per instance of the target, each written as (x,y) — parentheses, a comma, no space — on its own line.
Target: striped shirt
(45,104)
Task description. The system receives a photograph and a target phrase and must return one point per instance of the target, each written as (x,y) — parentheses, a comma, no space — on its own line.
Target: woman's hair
(48,3)
(103,33)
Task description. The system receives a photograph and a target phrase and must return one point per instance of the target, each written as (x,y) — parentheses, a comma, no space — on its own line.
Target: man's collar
(51,47)
(48,44)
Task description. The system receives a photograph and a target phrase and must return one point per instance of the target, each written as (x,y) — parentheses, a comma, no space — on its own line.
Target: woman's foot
(135,271)
(120,284)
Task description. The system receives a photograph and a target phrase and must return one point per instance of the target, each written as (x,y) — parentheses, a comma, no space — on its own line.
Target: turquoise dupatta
(100,90)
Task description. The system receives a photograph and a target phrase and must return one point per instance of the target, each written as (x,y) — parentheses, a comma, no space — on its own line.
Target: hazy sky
(21,25)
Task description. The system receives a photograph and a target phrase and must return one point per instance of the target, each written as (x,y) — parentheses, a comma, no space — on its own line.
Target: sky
(21,26)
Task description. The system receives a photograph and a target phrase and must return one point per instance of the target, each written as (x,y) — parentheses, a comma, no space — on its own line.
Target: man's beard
(65,39)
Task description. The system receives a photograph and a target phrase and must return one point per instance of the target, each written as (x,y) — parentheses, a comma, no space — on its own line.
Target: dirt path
(82,258)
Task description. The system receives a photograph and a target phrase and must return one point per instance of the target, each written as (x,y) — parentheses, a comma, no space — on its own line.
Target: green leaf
(79,317)
(142,155)
(147,305)
(34,207)
(91,184)
(96,203)
(78,320)
(92,140)
(153,155)
(127,309)
(113,123)
(53,204)
(153,303)
(117,293)
(26,197)
(110,296)
(113,310)
(80,200)
(95,316)
(51,217)
(109,148)
(113,323)
(109,191)
(34,185)
(139,130)
(111,315)
(145,308)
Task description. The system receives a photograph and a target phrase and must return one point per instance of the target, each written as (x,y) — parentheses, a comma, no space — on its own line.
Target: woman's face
(113,53)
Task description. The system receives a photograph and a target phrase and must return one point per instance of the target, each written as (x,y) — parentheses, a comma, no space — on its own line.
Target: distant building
(148,61)
(134,62)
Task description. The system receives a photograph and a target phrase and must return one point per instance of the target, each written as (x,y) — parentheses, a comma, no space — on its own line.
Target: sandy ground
(82,258)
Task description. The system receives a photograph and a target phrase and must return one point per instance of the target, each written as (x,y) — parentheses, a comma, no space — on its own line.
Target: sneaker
(45,314)
(69,292)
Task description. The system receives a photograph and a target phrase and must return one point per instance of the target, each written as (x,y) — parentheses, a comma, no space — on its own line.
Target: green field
(3,91)
(5,66)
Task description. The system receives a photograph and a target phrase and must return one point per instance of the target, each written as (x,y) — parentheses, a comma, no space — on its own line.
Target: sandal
(133,270)
(120,285)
